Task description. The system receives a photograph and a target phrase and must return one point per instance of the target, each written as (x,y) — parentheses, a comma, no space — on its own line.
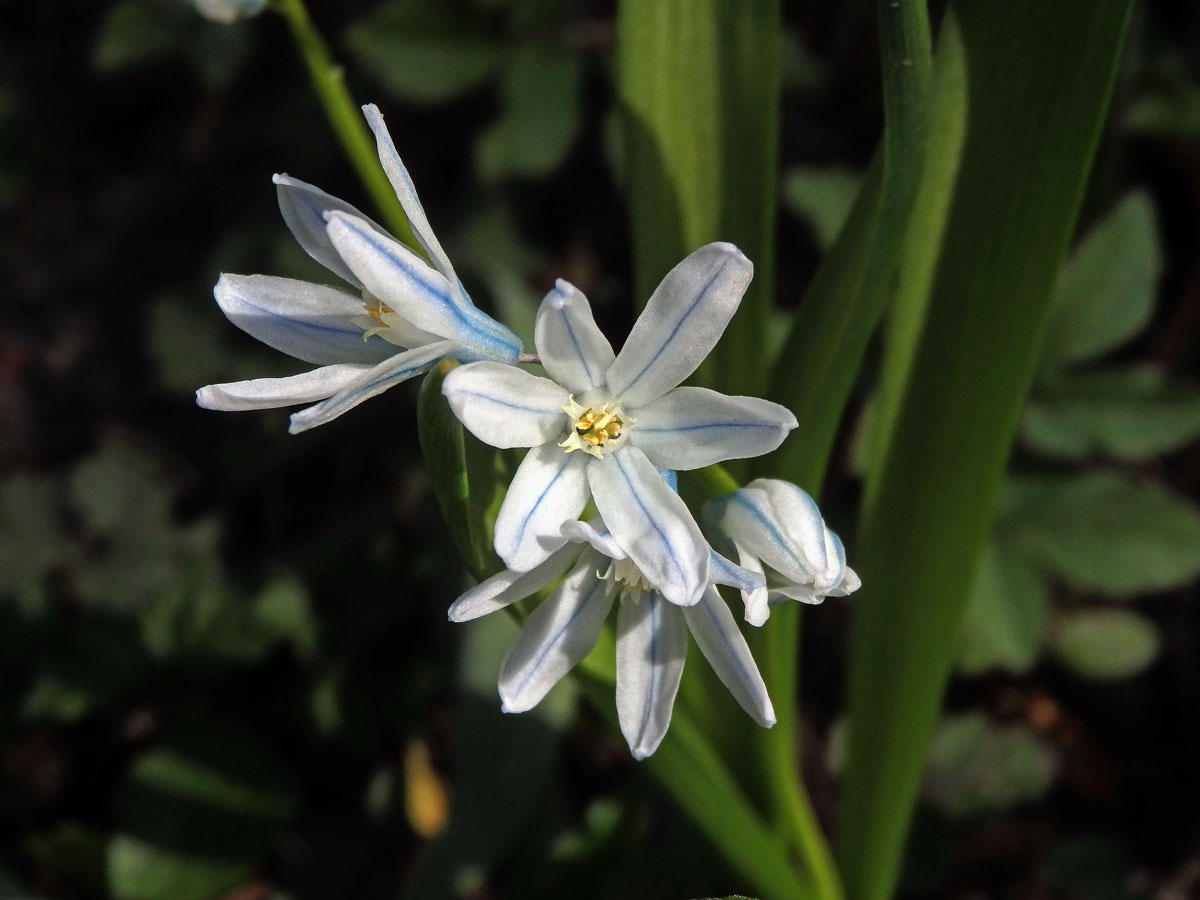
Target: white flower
(651,632)
(775,528)
(605,421)
(229,11)
(404,316)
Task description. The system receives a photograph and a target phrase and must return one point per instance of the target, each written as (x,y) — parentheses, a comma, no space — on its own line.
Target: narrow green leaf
(817,368)
(1107,532)
(699,85)
(977,766)
(1105,292)
(468,477)
(1006,614)
(1106,644)
(922,244)
(1132,413)
(1039,77)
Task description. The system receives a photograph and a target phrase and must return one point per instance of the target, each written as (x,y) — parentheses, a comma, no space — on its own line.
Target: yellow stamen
(593,429)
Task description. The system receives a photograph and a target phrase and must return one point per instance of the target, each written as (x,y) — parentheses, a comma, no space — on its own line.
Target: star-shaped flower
(652,633)
(603,422)
(776,529)
(405,316)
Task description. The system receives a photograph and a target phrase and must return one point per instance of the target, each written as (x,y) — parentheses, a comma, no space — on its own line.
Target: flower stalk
(329,83)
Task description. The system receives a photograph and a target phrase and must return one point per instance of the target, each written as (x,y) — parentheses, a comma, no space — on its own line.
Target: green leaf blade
(1039,82)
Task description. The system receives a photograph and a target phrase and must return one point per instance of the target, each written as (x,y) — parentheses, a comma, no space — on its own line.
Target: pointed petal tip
(640,753)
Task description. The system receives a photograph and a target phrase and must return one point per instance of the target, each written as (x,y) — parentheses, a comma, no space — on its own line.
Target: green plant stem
(777,645)
(695,776)
(345,117)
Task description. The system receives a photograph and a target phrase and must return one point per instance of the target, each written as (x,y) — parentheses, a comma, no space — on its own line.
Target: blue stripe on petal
(674,331)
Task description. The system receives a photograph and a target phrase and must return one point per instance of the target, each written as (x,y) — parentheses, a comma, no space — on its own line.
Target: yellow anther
(593,429)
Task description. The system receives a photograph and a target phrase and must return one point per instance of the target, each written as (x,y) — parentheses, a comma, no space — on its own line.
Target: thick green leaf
(1132,413)
(1106,644)
(541,91)
(976,766)
(1105,292)
(699,84)
(1006,614)
(822,197)
(1039,78)
(1107,532)
(468,477)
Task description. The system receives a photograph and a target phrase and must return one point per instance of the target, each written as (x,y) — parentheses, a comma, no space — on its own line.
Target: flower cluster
(605,428)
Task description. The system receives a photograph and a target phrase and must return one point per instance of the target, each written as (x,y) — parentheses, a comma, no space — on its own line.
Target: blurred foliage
(226,671)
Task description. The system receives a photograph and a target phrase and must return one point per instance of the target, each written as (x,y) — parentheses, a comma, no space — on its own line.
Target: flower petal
(406,193)
(549,488)
(757,599)
(779,523)
(651,648)
(505,406)
(682,322)
(373,381)
(309,321)
(651,522)
(395,274)
(595,534)
(725,571)
(555,637)
(717,635)
(271,393)
(303,207)
(848,585)
(692,427)
(571,346)
(508,587)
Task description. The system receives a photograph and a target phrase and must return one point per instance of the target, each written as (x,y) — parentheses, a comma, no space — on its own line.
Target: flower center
(377,314)
(595,430)
(624,574)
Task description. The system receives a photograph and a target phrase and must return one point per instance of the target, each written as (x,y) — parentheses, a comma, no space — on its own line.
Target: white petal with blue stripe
(271,393)
(716,634)
(555,638)
(683,320)
(651,649)
(574,351)
(651,522)
(549,488)
(692,427)
(373,381)
(312,322)
(505,406)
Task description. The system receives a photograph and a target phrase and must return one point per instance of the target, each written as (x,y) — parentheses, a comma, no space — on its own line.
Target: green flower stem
(700,783)
(345,116)
(777,646)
